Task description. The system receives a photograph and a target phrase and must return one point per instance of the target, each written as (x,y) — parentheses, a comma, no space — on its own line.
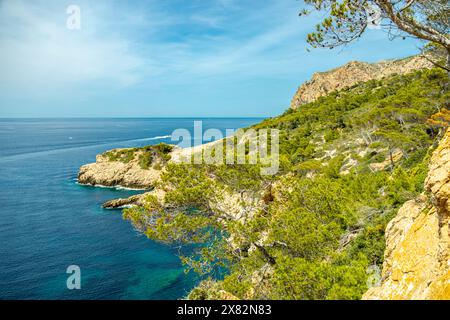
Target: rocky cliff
(136,168)
(417,256)
(115,173)
(352,73)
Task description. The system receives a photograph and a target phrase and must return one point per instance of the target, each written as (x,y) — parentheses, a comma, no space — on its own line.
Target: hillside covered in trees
(315,230)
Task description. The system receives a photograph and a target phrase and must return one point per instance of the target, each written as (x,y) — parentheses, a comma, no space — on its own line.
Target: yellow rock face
(417,256)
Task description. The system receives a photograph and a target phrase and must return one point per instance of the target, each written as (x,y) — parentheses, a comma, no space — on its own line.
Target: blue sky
(164,58)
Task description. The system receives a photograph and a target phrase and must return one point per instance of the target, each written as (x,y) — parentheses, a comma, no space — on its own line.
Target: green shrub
(315,234)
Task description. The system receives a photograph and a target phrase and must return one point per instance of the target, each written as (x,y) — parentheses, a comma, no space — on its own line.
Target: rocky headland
(134,168)
(117,174)
(351,74)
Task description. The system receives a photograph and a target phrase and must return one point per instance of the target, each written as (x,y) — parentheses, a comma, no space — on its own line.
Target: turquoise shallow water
(48,221)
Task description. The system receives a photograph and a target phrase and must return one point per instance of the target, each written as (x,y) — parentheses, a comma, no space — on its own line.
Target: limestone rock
(352,73)
(136,200)
(437,182)
(120,203)
(397,155)
(115,173)
(417,256)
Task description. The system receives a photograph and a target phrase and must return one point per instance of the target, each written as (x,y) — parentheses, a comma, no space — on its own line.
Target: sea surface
(49,222)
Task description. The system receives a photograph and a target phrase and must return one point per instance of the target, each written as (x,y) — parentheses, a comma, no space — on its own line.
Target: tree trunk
(266,255)
(448,62)
(392,159)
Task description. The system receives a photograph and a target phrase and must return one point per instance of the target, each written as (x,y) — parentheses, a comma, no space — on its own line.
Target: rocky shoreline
(116,173)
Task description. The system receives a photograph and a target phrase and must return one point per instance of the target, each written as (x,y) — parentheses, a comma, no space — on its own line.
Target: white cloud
(144,54)
(126,45)
(38,50)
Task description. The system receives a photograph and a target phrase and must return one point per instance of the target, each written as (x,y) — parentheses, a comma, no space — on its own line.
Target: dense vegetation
(145,155)
(315,230)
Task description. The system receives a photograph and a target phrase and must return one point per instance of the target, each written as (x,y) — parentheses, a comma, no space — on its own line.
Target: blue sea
(49,222)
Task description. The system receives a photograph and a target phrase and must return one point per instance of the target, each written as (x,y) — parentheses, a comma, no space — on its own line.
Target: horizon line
(144,117)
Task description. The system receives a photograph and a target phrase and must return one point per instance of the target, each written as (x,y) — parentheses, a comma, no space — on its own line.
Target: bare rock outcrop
(352,73)
(105,172)
(136,200)
(417,256)
(123,167)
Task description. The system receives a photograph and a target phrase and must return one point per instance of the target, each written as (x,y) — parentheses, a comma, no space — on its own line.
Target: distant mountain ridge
(353,73)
